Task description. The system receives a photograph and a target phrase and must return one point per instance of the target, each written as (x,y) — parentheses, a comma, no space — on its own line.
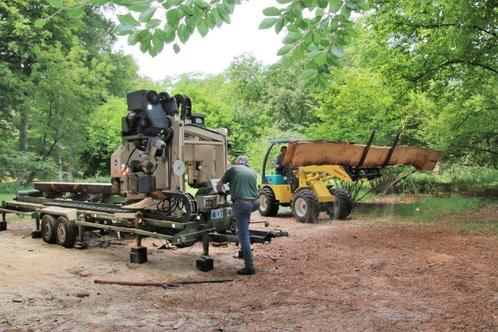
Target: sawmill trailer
(164,147)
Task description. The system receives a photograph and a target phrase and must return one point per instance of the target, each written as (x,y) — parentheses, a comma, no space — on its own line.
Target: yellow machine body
(315,178)
(282,192)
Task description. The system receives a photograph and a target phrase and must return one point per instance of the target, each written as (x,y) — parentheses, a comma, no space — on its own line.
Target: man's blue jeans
(242,211)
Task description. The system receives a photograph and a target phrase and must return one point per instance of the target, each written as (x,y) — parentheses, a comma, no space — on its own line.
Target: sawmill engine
(164,144)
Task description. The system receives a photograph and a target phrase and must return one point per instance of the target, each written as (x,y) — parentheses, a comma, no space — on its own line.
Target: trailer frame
(122,220)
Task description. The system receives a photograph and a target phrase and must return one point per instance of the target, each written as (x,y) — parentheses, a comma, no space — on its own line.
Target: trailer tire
(342,206)
(48,229)
(268,205)
(65,233)
(305,206)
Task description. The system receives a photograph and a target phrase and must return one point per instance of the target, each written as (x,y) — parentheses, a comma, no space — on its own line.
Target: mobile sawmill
(165,145)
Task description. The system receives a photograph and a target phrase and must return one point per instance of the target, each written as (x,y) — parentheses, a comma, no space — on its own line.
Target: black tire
(48,228)
(268,205)
(65,233)
(305,206)
(342,206)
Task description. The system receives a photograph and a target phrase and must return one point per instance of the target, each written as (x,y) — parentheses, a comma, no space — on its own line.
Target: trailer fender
(70,214)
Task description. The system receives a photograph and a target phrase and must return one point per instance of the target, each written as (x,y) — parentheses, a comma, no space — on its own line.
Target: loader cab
(270,175)
(275,190)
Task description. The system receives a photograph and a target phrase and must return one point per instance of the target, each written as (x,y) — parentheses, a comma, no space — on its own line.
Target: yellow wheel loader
(306,181)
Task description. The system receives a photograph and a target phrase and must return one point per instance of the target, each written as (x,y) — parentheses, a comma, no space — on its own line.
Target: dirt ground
(342,275)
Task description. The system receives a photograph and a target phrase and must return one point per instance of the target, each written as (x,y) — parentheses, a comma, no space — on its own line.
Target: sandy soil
(343,275)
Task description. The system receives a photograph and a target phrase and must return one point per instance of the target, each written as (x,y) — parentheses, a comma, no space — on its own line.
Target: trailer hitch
(255,236)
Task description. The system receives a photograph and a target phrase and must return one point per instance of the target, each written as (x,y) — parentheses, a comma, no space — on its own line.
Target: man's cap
(242,160)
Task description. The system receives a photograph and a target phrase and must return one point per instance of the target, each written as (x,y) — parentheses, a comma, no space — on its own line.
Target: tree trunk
(23,130)
(60,174)
(70,169)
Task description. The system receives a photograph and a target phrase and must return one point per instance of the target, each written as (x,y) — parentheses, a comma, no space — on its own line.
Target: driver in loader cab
(279,163)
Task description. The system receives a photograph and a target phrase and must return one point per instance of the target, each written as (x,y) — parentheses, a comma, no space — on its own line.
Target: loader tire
(48,229)
(65,233)
(268,205)
(342,206)
(305,206)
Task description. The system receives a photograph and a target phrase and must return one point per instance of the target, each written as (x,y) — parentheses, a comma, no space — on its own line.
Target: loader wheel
(268,205)
(48,228)
(305,206)
(65,233)
(341,207)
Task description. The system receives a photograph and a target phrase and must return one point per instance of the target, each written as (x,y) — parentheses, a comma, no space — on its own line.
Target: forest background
(427,69)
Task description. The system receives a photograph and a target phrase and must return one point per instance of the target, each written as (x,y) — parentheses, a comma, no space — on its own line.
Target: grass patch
(6,196)
(478,226)
(8,190)
(430,208)
(451,209)
(434,208)
(96,179)
(12,187)
(480,181)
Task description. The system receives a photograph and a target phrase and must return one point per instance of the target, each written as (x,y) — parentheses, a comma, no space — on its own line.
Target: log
(160,283)
(304,153)
(74,187)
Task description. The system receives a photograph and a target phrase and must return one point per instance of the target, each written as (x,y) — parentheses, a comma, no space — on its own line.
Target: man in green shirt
(244,192)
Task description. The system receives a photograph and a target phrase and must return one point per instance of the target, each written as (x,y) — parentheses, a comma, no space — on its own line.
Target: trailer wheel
(48,228)
(268,205)
(305,206)
(341,207)
(65,233)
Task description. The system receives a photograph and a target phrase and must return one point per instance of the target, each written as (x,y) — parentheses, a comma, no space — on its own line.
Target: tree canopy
(427,69)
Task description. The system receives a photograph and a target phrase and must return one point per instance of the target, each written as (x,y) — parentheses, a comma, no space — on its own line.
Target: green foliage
(256,148)
(103,135)
(15,165)
(317,30)
(54,75)
(145,20)
(461,213)
(67,90)
(425,69)
(95,179)
(255,103)
(8,189)
(446,39)
(478,226)
(457,179)
(449,50)
(122,74)
(357,102)
(436,208)
(368,93)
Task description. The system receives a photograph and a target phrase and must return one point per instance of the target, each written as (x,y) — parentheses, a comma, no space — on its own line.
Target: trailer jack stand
(36,234)
(138,255)
(81,245)
(3,223)
(204,264)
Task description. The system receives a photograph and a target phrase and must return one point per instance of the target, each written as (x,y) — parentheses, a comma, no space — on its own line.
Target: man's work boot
(246,271)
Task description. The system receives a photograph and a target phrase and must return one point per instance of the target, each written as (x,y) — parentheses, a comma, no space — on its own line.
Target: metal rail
(123,229)
(98,207)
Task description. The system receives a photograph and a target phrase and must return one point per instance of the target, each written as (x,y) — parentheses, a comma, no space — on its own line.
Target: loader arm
(317,176)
